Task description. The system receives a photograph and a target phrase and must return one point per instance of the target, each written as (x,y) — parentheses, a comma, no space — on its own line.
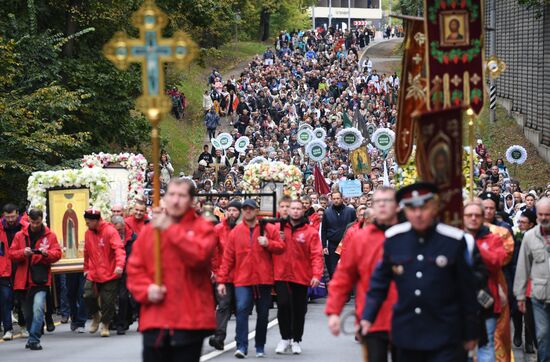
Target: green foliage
(208,54)
(57,106)
(32,121)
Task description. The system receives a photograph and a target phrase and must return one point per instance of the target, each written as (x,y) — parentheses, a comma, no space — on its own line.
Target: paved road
(382,54)
(63,345)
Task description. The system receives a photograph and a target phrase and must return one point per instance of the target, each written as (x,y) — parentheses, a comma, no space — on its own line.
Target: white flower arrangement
(135,164)
(255,174)
(95,179)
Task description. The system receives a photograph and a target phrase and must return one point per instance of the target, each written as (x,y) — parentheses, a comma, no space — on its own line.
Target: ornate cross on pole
(151,50)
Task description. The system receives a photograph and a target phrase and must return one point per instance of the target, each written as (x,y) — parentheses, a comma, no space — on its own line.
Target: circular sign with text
(217,145)
(316,150)
(305,125)
(516,154)
(349,138)
(225,139)
(242,143)
(319,133)
(304,136)
(383,139)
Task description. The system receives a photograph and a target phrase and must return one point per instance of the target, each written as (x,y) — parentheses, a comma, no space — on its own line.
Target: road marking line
(233,344)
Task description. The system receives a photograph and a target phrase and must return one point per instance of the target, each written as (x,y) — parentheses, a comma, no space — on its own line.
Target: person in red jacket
(139,217)
(223,312)
(10,224)
(299,267)
(6,287)
(35,248)
(310,213)
(249,253)
(494,256)
(176,316)
(360,257)
(104,259)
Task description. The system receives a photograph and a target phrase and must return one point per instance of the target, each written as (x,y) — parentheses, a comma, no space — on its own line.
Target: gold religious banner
(454,54)
(66,219)
(151,50)
(413,90)
(360,161)
(439,159)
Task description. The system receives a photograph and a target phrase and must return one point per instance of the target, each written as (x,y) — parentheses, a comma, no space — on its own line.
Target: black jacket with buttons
(436,306)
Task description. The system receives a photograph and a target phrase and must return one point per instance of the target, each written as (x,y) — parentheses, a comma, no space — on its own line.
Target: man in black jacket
(335,219)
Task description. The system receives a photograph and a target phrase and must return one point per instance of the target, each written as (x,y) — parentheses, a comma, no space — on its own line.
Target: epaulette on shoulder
(450,231)
(398,229)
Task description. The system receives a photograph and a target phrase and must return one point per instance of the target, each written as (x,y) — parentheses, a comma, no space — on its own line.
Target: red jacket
(187,249)
(348,234)
(251,262)
(5,262)
(136,225)
(221,232)
(360,258)
(303,257)
(103,252)
(494,256)
(48,240)
(314,219)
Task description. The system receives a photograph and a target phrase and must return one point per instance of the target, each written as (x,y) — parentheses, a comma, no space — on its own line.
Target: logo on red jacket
(300,238)
(44,244)
(101,242)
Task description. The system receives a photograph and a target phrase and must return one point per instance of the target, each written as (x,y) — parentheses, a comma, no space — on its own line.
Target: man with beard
(358,261)
(176,316)
(533,266)
(299,267)
(502,340)
(225,302)
(11,224)
(35,248)
(335,221)
(526,221)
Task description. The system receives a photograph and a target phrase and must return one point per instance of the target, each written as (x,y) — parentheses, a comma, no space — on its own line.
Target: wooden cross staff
(151,50)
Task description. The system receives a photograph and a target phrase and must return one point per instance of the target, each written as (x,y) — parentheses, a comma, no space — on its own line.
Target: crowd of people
(424,291)
(308,77)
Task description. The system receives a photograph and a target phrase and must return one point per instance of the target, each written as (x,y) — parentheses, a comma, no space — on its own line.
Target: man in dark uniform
(434,318)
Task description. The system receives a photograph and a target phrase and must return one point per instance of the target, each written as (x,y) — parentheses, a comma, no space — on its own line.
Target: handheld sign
(225,139)
(349,138)
(350,188)
(383,139)
(217,145)
(516,154)
(241,144)
(320,133)
(316,150)
(304,136)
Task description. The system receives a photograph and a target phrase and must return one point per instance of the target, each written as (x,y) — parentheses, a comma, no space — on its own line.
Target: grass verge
(504,133)
(183,139)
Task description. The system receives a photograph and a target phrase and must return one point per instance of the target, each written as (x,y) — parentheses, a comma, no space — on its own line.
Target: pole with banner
(412,93)
(151,50)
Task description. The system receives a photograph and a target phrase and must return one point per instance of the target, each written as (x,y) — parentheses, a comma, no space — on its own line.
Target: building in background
(359,10)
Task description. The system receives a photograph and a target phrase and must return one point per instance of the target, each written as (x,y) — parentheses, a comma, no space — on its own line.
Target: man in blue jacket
(435,317)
